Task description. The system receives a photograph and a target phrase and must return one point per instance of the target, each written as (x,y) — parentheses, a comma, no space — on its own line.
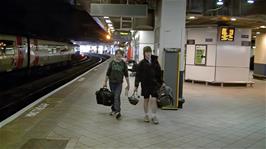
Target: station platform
(212,118)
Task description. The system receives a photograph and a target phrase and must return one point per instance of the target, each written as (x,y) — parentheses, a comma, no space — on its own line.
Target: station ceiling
(206,13)
(70,19)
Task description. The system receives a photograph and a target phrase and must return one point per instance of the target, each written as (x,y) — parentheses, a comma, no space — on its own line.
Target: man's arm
(108,73)
(137,77)
(126,76)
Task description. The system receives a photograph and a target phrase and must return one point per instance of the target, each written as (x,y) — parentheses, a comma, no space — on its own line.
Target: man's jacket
(149,73)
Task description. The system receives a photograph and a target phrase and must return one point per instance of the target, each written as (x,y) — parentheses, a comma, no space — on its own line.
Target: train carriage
(13,52)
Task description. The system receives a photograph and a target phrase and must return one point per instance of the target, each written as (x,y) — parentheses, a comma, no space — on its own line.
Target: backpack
(104,97)
(165,96)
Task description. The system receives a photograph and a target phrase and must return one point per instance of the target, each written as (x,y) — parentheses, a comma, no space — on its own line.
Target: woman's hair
(119,51)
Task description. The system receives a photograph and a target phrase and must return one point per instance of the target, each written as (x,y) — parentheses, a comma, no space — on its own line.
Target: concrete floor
(212,118)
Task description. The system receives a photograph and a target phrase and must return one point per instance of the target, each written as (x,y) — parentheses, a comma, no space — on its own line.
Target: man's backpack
(104,97)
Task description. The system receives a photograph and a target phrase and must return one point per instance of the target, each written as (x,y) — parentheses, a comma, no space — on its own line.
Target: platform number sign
(227,33)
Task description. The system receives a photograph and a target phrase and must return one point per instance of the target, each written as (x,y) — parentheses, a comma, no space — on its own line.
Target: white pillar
(146,38)
(260,56)
(170,21)
(170,27)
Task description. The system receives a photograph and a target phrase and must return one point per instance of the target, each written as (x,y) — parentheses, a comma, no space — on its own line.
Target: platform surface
(212,118)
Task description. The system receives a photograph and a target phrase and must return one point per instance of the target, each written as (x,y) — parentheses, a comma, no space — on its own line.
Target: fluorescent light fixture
(233,19)
(263,26)
(220,2)
(108,21)
(110,25)
(192,17)
(106,17)
(254,36)
(250,1)
(257,33)
(254,47)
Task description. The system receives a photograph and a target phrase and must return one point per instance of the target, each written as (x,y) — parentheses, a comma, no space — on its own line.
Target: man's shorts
(148,91)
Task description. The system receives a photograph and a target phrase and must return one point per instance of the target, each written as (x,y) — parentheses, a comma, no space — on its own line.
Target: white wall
(200,34)
(226,61)
(260,52)
(196,72)
(146,38)
(233,58)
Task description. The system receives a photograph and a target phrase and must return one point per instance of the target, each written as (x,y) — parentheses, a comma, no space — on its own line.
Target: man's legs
(146,109)
(154,110)
(116,88)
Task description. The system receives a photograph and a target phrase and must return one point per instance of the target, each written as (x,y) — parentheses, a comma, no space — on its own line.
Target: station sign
(227,33)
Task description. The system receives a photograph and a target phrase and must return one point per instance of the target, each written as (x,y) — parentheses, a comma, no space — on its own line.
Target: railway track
(17,98)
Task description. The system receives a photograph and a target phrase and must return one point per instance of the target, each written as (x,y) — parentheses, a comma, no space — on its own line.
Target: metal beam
(119,10)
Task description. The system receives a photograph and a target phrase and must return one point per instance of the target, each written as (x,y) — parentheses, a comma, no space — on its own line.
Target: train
(14,52)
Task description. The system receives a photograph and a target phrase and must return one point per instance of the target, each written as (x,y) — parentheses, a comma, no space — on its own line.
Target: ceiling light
(108,21)
(106,17)
(254,47)
(108,37)
(233,19)
(263,26)
(220,2)
(250,1)
(254,36)
(110,25)
(192,17)
(257,33)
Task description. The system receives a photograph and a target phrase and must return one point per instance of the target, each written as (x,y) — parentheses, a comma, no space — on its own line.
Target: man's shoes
(118,115)
(155,120)
(146,119)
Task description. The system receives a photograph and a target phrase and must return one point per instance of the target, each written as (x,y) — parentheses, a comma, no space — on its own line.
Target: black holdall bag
(104,97)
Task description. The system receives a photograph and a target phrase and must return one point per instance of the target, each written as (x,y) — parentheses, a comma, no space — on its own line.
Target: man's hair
(147,49)
(119,51)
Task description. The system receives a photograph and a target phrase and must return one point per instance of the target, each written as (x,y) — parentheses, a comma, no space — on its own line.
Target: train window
(7,47)
(10,51)
(50,51)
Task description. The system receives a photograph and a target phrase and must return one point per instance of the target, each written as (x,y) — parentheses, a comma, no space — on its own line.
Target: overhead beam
(118,10)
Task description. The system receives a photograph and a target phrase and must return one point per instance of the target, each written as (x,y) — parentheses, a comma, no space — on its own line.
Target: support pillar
(260,57)
(170,34)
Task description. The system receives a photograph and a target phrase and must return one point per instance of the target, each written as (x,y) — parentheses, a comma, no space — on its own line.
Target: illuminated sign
(124,33)
(122,36)
(227,33)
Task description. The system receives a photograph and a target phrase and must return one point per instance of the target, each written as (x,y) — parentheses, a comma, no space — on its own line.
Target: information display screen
(227,33)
